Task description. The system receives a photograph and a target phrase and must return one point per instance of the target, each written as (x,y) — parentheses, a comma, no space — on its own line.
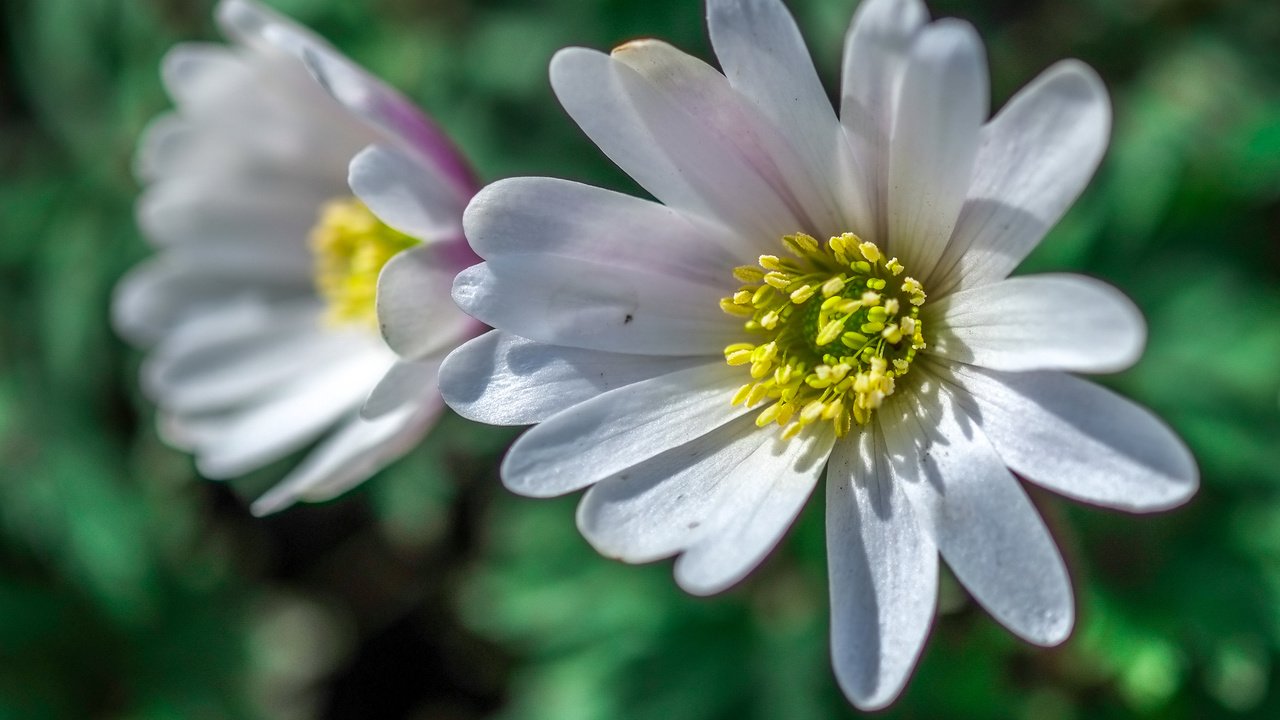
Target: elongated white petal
(502,379)
(621,428)
(406,194)
(205,366)
(269,217)
(942,105)
(233,443)
(568,301)
(162,292)
(752,516)
(1079,439)
(1039,322)
(587,84)
(685,160)
(659,507)
(196,75)
(1036,157)
(356,450)
(413,305)
(766,61)
(548,216)
(808,189)
(884,573)
(978,515)
(407,382)
(875,54)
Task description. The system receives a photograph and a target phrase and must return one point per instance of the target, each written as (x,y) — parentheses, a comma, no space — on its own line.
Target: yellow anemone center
(351,245)
(838,323)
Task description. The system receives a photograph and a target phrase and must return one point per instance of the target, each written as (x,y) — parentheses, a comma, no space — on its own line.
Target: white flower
(259,304)
(842,278)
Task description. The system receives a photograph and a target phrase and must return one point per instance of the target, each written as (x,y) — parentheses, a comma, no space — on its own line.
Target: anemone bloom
(259,306)
(816,292)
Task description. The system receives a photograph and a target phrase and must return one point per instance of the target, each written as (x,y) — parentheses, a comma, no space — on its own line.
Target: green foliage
(130,588)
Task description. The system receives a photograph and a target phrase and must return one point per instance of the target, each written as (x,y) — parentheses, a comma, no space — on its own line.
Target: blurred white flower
(842,278)
(259,306)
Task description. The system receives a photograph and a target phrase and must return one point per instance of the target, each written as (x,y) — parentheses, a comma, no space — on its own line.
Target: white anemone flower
(809,292)
(259,305)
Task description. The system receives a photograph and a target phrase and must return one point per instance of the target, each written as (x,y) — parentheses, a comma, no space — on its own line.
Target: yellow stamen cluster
(841,323)
(351,245)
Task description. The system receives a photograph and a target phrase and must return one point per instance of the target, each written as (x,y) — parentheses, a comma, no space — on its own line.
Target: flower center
(351,245)
(838,322)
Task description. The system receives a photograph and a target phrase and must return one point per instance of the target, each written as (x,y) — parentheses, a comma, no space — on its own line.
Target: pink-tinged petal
(362,94)
(503,379)
(1036,157)
(941,107)
(389,112)
(765,60)
(622,428)
(884,573)
(977,514)
(1039,322)
(1079,439)
(684,160)
(876,50)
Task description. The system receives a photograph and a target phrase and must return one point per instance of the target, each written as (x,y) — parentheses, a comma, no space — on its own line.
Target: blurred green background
(130,588)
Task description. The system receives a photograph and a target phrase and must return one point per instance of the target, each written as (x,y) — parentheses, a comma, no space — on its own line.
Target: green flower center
(351,245)
(838,324)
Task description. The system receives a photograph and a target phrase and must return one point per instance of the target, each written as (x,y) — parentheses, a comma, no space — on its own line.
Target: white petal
(684,160)
(1080,439)
(875,54)
(362,95)
(197,75)
(768,490)
(1039,322)
(659,507)
(567,301)
(978,515)
(414,310)
(502,379)
(245,20)
(352,454)
(942,106)
(1036,157)
(235,442)
(406,194)
(621,428)
(162,292)
(195,211)
(587,84)
(224,359)
(548,216)
(406,382)
(765,59)
(161,141)
(884,573)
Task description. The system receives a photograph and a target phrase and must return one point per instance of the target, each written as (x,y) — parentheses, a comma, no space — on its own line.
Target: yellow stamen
(351,245)
(840,329)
